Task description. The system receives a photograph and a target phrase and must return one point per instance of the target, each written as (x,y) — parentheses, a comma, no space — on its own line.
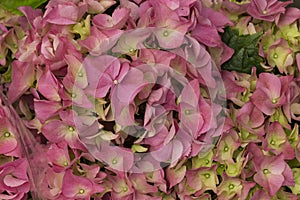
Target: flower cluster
(160,99)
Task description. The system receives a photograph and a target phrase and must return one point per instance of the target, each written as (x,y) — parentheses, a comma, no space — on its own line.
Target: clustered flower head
(160,99)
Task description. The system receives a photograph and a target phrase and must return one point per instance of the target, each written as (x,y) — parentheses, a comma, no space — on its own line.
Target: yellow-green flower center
(275,56)
(125,189)
(231,186)
(272,142)
(207,175)
(187,112)
(226,148)
(66,163)
(266,171)
(274,101)
(71,129)
(7,134)
(81,191)
(165,33)
(114,161)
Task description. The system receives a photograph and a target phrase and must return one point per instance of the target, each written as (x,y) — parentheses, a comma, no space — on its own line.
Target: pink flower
(14,180)
(105,77)
(121,187)
(175,175)
(58,157)
(268,10)
(228,143)
(271,92)
(280,54)
(272,173)
(141,185)
(202,179)
(54,47)
(99,42)
(52,185)
(170,31)
(231,188)
(277,142)
(8,141)
(74,187)
(63,130)
(195,114)
(251,118)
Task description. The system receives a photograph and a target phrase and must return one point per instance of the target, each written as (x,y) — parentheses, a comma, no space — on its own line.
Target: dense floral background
(157,99)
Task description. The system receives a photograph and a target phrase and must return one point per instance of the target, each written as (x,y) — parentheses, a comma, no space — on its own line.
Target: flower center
(264,12)
(165,33)
(275,56)
(7,134)
(71,129)
(125,189)
(116,82)
(81,191)
(266,171)
(226,149)
(187,112)
(272,142)
(73,95)
(231,186)
(114,161)
(207,176)
(274,101)
(207,161)
(131,50)
(80,74)
(65,163)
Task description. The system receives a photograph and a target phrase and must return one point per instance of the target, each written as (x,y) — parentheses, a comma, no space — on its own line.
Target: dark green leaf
(13,5)
(245,51)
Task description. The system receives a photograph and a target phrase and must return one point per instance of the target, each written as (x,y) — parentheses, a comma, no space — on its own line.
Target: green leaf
(13,5)
(246,51)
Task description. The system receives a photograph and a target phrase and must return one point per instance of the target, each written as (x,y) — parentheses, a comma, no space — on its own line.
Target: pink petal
(274,183)
(11,181)
(46,109)
(48,86)
(7,144)
(23,76)
(73,184)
